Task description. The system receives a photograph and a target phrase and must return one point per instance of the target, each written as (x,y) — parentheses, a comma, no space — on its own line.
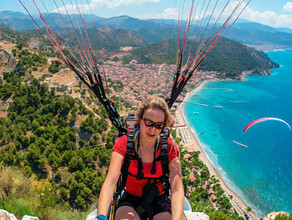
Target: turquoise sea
(262,173)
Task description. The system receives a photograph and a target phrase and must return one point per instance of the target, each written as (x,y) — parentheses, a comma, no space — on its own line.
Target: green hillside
(227,57)
(231,58)
(58,149)
(12,36)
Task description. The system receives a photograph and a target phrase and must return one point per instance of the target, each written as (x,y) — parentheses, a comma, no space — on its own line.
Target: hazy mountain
(155,30)
(243,22)
(254,27)
(287,30)
(23,22)
(129,23)
(12,14)
(16,21)
(255,34)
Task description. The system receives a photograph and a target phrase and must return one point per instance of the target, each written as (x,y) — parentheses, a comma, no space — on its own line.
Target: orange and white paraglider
(264,119)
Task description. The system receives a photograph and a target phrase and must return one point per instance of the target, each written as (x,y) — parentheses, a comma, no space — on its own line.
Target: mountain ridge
(246,32)
(109,42)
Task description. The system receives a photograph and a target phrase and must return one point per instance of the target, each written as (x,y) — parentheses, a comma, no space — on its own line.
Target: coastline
(192,143)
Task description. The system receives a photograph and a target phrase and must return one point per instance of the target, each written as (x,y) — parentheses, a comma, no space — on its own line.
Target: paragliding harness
(150,192)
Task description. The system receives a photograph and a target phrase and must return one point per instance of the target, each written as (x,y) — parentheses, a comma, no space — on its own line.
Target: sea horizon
(259,172)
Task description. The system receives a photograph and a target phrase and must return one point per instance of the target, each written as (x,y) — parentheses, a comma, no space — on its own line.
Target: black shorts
(161,204)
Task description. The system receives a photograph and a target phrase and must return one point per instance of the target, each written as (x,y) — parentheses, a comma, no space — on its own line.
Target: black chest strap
(127,160)
(164,150)
(129,156)
(164,159)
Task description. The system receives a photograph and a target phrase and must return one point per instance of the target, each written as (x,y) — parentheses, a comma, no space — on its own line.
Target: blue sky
(275,13)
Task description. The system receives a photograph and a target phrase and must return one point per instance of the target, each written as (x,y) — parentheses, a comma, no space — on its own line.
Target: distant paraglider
(264,119)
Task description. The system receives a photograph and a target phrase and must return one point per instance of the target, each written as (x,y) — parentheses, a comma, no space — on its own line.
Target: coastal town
(138,81)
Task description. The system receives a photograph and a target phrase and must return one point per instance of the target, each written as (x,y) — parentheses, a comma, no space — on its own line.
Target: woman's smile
(149,129)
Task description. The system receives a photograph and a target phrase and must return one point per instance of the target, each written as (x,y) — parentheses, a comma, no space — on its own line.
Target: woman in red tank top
(153,115)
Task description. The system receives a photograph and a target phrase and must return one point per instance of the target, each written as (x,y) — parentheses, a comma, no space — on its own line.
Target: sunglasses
(149,123)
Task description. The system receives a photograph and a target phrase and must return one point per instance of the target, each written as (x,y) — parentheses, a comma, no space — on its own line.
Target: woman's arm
(177,189)
(108,187)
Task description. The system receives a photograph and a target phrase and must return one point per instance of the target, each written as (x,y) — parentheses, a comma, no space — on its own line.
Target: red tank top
(135,186)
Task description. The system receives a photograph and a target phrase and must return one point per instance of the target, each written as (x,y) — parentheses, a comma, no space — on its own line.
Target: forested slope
(63,163)
(227,57)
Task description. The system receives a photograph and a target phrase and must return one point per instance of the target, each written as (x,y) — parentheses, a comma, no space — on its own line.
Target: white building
(196,215)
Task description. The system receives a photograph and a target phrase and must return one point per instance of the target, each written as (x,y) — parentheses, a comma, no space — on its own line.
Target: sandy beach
(192,143)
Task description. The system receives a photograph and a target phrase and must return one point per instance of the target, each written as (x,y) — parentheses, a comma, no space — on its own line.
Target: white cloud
(285,20)
(270,18)
(72,8)
(267,17)
(168,13)
(117,3)
(199,11)
(287,8)
(94,4)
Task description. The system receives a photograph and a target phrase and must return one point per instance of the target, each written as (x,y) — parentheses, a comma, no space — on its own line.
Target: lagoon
(260,174)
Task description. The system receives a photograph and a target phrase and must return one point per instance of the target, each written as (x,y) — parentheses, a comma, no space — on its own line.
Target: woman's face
(151,124)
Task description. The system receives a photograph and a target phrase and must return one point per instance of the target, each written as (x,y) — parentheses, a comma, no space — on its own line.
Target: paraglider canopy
(264,119)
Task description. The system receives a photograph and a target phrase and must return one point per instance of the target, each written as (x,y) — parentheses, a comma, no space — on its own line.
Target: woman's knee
(126,212)
(162,216)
